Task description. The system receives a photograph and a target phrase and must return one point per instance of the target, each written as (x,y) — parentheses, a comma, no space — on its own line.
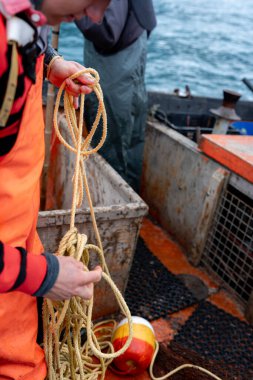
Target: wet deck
(160,243)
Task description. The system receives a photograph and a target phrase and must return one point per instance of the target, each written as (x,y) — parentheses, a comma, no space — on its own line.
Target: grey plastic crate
(119,212)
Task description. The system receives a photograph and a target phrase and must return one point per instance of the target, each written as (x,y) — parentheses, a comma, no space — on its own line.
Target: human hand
(72,280)
(61,70)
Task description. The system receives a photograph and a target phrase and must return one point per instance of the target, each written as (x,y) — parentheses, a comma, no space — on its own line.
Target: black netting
(216,336)
(152,291)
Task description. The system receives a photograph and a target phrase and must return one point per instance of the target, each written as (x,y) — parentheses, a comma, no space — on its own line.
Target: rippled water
(205,44)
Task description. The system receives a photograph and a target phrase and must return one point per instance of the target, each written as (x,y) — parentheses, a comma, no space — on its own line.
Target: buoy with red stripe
(138,356)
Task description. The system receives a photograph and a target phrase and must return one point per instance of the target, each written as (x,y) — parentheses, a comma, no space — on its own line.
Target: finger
(86,79)
(99,271)
(85,90)
(76,89)
(72,88)
(76,102)
(85,292)
(91,276)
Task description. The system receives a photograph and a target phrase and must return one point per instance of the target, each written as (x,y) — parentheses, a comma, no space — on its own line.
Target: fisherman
(24,272)
(117,49)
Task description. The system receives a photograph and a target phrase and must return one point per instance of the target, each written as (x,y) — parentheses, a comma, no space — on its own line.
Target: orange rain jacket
(20,170)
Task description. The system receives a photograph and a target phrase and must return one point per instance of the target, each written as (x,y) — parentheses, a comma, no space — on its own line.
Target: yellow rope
(64,322)
(183,366)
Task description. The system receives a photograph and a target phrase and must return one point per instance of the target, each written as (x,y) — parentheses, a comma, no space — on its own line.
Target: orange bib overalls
(20,170)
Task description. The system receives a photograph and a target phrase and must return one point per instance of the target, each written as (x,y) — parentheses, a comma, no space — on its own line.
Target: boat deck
(160,243)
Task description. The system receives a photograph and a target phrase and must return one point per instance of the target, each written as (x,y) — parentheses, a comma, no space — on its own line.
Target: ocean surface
(205,44)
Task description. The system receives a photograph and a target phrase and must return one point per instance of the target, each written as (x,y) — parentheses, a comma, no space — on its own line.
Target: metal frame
(228,250)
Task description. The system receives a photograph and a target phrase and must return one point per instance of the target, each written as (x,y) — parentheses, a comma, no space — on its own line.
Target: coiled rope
(64,322)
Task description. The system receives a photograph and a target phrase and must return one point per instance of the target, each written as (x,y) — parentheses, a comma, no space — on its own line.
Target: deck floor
(160,243)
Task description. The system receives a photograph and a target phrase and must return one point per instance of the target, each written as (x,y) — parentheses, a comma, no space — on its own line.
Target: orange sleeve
(20,270)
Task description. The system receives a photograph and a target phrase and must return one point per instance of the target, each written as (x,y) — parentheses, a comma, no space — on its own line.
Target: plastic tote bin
(119,212)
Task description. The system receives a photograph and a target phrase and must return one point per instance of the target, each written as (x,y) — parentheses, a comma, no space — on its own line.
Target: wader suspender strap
(11,87)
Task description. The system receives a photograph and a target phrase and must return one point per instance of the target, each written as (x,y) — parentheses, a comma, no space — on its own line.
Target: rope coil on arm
(64,322)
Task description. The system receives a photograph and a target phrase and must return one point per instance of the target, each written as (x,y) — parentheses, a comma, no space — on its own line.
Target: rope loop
(72,119)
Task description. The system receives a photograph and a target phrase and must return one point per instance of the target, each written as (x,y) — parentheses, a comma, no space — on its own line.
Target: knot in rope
(73,244)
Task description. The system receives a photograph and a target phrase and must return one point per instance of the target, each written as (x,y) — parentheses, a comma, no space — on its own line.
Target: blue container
(244,127)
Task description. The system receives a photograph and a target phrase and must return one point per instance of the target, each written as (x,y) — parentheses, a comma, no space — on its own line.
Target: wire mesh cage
(228,251)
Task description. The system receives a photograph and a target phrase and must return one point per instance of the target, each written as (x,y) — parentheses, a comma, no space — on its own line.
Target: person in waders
(25,271)
(117,49)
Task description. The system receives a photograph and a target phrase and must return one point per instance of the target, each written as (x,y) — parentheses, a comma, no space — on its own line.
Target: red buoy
(137,358)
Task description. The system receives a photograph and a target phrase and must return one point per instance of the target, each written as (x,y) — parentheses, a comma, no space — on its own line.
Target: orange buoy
(138,356)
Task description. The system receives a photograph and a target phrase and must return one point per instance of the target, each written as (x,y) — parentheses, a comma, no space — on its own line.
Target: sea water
(207,45)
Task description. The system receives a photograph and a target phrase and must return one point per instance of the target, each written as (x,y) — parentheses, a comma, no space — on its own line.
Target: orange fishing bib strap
(11,87)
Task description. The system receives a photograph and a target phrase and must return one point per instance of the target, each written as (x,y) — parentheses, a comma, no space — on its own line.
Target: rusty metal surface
(242,185)
(218,182)
(119,212)
(175,184)
(118,233)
